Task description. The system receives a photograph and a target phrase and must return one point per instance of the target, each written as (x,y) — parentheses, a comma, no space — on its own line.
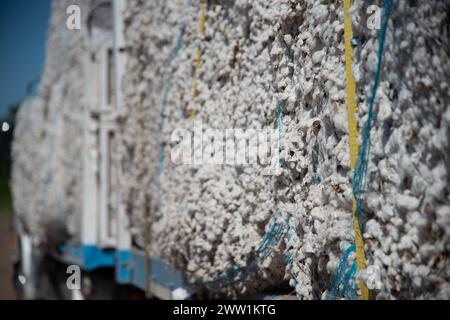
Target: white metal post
(123,234)
(102,214)
(90,156)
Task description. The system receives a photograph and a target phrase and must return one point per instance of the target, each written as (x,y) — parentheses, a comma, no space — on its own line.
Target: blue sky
(23,28)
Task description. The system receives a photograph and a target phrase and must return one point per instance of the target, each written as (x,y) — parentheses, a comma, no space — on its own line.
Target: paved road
(7,247)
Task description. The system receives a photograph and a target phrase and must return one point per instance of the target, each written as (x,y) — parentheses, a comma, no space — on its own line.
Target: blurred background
(23,27)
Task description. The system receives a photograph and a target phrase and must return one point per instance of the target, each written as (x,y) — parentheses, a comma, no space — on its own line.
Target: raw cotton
(236,229)
(50,137)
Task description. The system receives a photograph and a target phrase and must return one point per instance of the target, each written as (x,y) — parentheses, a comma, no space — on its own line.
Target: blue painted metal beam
(88,257)
(130,268)
(161,273)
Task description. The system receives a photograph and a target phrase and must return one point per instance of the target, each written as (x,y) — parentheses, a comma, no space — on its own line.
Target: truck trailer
(212,148)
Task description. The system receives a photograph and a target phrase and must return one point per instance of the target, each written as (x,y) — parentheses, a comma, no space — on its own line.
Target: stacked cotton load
(150,30)
(263,66)
(405,210)
(239,228)
(27,162)
(58,116)
(316,178)
(227,69)
(407,203)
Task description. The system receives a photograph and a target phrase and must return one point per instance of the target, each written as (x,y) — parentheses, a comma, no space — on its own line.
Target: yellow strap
(353,140)
(198,53)
(202,17)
